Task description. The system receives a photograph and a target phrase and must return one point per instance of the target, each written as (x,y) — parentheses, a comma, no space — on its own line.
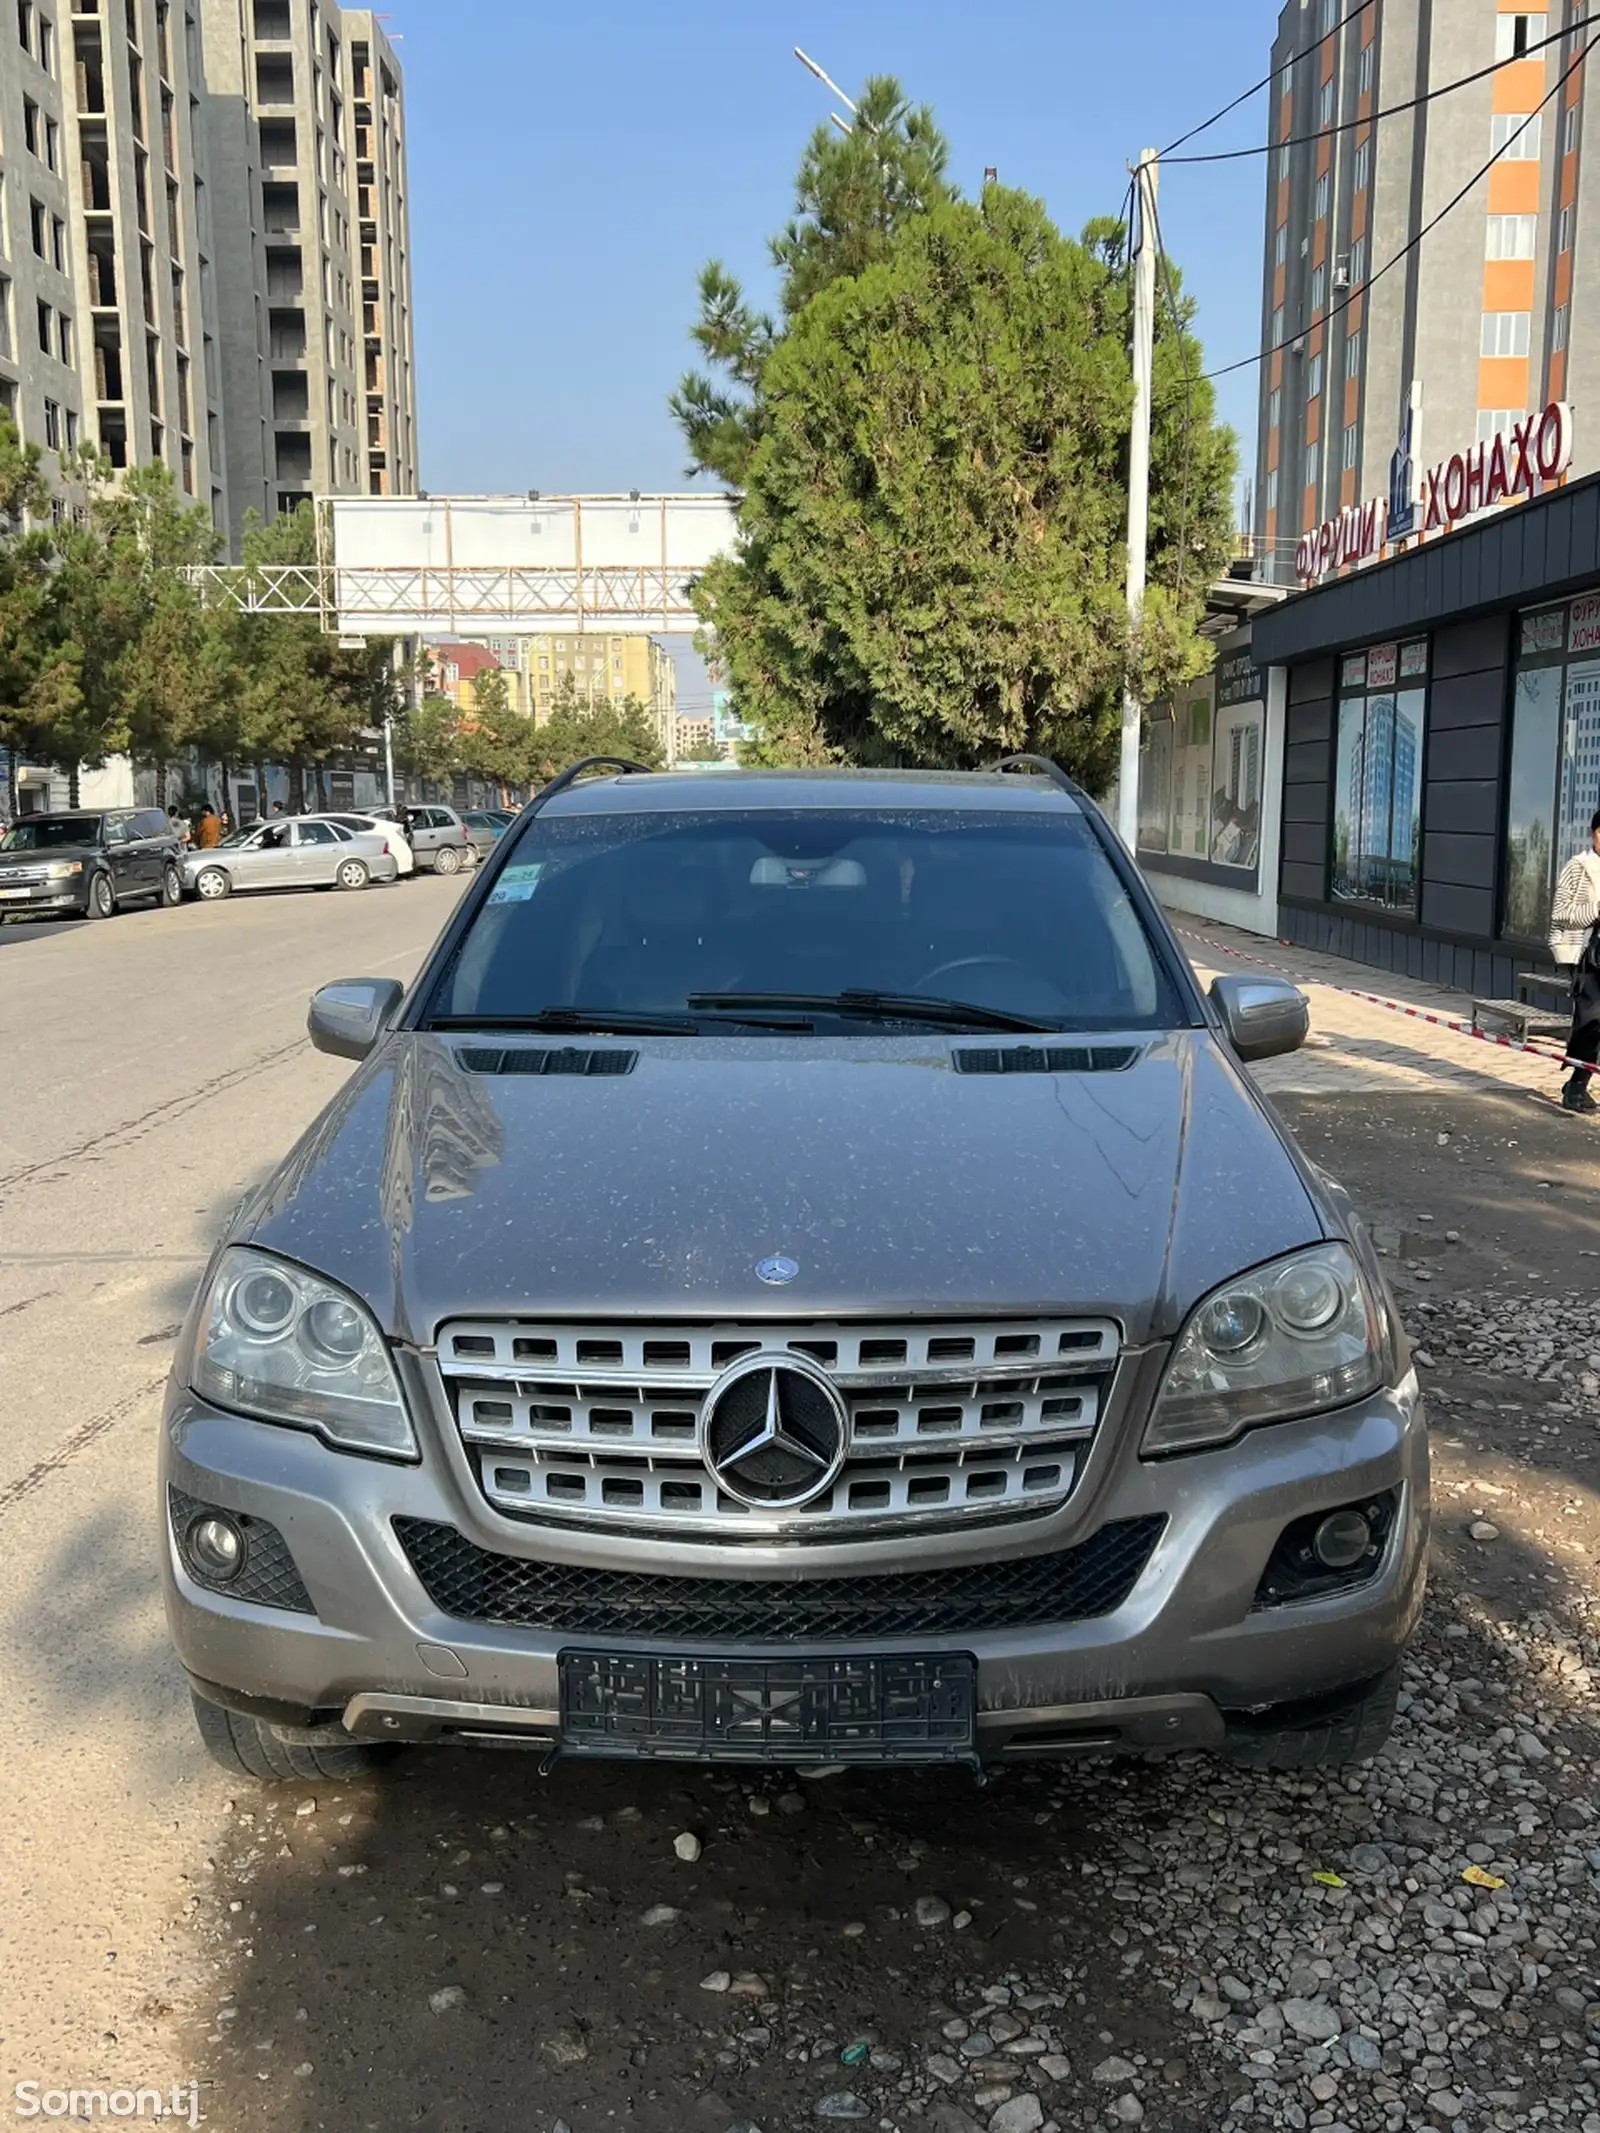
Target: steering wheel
(971,962)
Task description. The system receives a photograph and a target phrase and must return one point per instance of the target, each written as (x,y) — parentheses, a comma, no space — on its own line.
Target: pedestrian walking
(208,830)
(178,826)
(1575,945)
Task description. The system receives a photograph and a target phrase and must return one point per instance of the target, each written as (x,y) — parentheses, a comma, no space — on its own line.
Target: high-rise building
(305,126)
(598,666)
(1476,316)
(107,309)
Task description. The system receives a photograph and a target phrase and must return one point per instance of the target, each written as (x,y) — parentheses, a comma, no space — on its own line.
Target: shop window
(1554,783)
(1377,803)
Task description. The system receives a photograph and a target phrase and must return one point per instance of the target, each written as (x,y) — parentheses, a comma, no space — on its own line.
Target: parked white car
(292,852)
(380,825)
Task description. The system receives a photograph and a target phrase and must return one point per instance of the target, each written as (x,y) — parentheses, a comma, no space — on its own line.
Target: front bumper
(43,896)
(1188,1645)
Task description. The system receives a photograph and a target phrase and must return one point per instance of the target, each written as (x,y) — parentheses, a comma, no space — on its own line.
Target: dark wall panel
(1454,909)
(1462,805)
(1469,752)
(1306,763)
(1305,803)
(1468,700)
(1462,861)
(1304,881)
(1310,722)
(1311,679)
(1470,647)
(1305,843)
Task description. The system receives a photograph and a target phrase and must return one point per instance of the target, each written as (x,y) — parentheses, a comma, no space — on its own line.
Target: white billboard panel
(512,564)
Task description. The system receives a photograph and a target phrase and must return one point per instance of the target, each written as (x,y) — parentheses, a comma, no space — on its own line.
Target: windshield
(235,838)
(51,833)
(1019,914)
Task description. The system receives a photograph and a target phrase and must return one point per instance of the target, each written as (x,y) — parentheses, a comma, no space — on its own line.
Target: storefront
(1442,744)
(1210,772)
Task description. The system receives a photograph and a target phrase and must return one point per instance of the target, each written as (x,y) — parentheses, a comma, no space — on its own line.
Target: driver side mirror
(348,1018)
(1262,1017)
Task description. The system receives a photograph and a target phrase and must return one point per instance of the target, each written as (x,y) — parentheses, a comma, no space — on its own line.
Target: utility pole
(1144,328)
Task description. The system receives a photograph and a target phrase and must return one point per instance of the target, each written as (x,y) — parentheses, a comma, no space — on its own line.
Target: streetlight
(828,83)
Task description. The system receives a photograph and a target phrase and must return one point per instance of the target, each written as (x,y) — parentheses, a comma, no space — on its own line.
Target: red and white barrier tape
(1399,1007)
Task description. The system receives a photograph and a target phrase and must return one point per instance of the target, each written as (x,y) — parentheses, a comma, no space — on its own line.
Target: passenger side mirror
(348,1018)
(1263,1017)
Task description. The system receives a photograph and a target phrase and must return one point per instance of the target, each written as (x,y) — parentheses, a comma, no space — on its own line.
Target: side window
(118,829)
(151,823)
(316,833)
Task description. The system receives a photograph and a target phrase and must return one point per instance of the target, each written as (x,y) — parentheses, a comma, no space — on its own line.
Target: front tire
(447,860)
(1323,1734)
(171,888)
(211,885)
(248,1747)
(352,874)
(101,899)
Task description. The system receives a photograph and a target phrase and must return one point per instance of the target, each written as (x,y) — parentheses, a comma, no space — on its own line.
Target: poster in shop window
(1191,780)
(1236,786)
(1155,784)
(1580,759)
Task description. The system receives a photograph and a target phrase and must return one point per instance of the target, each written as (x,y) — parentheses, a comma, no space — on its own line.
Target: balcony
(274,78)
(272,21)
(280,210)
(280,152)
(286,279)
(291,396)
(293,456)
(287,336)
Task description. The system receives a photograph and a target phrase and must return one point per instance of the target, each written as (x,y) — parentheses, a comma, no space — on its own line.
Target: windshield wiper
(878,1007)
(625,1021)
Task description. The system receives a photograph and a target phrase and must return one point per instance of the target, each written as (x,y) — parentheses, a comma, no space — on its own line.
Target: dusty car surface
(804,1275)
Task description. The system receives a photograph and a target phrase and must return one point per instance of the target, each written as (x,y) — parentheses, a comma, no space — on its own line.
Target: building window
(1511,236)
(1280,245)
(52,425)
(1312,466)
(1319,287)
(1505,333)
(39,222)
(46,329)
(1569,131)
(58,244)
(1276,339)
(25,24)
(64,337)
(1514,34)
(1349,454)
(47,44)
(31,132)
(1322,194)
(1514,137)
(1377,794)
(1358,262)
(1330,17)
(1274,407)
(1555,762)
(52,144)
(1564,231)
(1352,356)
(1497,422)
(1363,166)
(1558,329)
(1272,488)
(1325,104)
(72,431)
(1314,376)
(1364,73)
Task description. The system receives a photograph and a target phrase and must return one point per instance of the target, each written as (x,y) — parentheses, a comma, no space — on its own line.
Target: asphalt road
(464,1945)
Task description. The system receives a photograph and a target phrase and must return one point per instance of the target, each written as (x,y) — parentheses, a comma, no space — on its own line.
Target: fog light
(1341,1540)
(217,1546)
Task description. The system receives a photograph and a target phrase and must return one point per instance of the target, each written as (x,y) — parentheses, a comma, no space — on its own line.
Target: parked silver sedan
(290,854)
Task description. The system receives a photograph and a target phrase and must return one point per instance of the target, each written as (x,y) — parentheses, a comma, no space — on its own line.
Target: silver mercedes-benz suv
(802,1276)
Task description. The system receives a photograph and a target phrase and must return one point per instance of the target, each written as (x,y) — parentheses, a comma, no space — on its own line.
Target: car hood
(898,1185)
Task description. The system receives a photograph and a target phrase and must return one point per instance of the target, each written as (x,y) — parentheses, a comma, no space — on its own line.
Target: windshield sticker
(516,885)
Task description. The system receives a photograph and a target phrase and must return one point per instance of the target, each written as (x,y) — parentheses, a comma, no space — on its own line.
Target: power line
(1164,269)
(1248,362)
(1412,103)
(1267,79)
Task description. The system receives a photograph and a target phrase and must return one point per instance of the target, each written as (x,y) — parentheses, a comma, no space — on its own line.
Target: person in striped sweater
(1575,945)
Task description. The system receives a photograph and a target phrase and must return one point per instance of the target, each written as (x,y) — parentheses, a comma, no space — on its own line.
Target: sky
(573,166)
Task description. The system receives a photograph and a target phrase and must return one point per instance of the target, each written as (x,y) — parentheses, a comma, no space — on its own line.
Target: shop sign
(1239,680)
(1513,463)
(1383,663)
(1543,632)
(1583,632)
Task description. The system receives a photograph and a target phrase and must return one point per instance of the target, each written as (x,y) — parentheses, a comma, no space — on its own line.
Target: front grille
(1047,1059)
(544,1059)
(268,1575)
(948,1422)
(1071,1585)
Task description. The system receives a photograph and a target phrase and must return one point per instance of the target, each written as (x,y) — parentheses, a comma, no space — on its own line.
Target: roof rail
(574,771)
(1043,767)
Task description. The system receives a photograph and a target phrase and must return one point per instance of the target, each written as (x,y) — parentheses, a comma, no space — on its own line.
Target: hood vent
(546,1059)
(1048,1059)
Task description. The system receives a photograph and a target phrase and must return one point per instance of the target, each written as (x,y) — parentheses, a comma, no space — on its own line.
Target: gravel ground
(1176,1945)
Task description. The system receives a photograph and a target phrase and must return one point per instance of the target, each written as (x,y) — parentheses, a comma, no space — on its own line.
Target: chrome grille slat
(949,1421)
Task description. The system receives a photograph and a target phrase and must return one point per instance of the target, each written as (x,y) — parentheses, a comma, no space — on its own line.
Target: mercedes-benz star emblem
(774,1431)
(776,1270)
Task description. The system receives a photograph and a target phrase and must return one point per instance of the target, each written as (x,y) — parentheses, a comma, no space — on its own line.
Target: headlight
(283,1344)
(63,869)
(1293,1338)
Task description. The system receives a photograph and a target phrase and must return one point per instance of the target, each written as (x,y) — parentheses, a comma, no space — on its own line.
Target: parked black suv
(86,864)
